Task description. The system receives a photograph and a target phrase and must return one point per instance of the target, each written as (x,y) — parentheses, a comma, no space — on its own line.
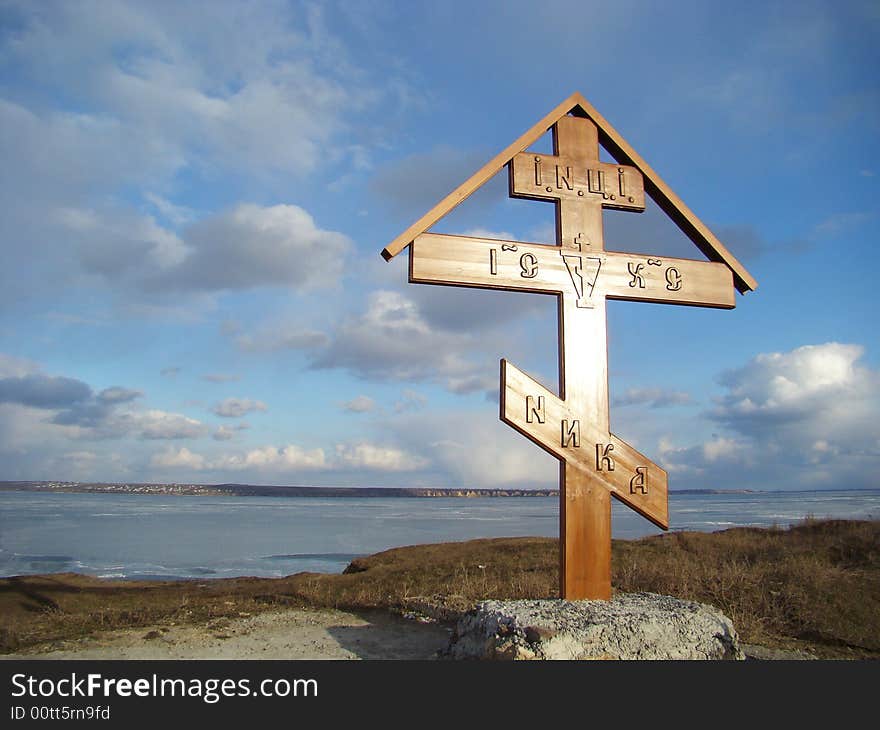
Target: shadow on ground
(390,636)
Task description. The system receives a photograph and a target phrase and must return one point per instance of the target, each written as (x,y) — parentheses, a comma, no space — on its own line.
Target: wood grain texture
(587,275)
(551,428)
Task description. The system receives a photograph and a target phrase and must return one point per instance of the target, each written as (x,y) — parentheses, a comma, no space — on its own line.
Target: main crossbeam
(493,264)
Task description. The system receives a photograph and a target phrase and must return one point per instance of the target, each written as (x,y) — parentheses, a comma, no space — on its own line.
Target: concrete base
(630,626)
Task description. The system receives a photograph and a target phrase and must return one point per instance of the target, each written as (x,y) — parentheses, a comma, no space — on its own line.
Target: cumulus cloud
(116,395)
(251,246)
(809,417)
(133,99)
(81,413)
(271,458)
(391,340)
(180,458)
(237,407)
(262,90)
(12,366)
(380,458)
(156,424)
(227,433)
(473,449)
(43,391)
(813,387)
(293,458)
(113,242)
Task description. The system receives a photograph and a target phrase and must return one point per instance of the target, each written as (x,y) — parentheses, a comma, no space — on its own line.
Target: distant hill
(251,490)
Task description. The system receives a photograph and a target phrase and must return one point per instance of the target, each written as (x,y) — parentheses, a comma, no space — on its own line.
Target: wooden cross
(574,426)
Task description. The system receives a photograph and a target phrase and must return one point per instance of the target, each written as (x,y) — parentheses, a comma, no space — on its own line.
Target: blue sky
(194,197)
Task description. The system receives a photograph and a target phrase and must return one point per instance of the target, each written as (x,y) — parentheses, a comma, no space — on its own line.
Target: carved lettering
(596,181)
(493,261)
(528,262)
(583,271)
(621,182)
(673,279)
(563,178)
(639,482)
(571,435)
(535,409)
(539,178)
(604,460)
(635,272)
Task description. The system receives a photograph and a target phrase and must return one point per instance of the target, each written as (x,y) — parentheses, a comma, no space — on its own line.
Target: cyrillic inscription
(604,460)
(535,409)
(528,263)
(563,178)
(635,271)
(639,482)
(673,279)
(571,435)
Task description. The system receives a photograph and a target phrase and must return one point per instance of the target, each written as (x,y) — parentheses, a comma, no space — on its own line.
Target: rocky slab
(630,626)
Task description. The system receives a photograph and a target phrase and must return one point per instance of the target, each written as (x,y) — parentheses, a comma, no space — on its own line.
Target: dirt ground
(288,634)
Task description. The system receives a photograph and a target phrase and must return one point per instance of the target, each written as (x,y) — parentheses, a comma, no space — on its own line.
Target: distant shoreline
(250,490)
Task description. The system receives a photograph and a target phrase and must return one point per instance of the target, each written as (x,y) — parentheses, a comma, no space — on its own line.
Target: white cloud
(181,458)
(259,90)
(113,242)
(474,449)
(379,458)
(109,112)
(812,386)
(238,407)
(157,424)
(391,340)
(807,418)
(273,459)
(227,433)
(16,367)
(252,246)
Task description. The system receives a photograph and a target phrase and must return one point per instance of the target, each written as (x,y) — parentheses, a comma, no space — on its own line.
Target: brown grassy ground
(815,586)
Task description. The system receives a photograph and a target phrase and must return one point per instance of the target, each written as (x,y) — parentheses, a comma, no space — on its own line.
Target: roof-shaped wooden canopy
(620,150)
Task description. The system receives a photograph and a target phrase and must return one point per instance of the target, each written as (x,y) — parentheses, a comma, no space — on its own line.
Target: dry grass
(814,586)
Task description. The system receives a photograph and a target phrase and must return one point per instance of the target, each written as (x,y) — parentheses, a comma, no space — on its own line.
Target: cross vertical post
(584,504)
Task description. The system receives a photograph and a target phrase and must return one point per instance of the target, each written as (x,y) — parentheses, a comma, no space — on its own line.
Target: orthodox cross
(574,426)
